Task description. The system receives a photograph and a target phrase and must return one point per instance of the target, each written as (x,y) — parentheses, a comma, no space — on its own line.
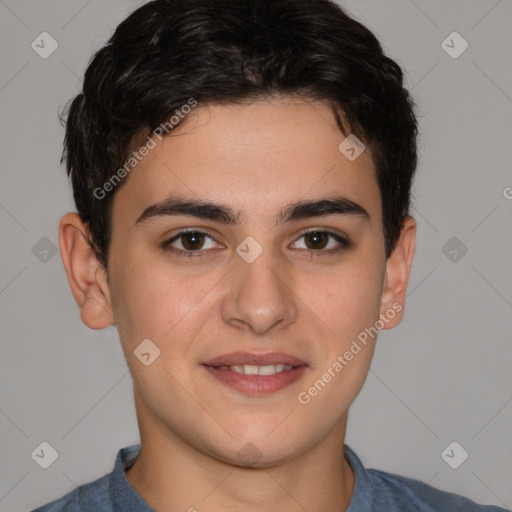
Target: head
(231,120)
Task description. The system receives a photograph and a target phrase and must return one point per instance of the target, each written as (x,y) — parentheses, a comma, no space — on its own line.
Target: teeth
(250,369)
(267,370)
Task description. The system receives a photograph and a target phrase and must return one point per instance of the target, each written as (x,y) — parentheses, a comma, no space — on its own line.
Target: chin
(258,449)
(256,455)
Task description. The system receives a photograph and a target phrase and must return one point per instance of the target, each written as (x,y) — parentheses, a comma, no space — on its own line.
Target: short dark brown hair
(223,51)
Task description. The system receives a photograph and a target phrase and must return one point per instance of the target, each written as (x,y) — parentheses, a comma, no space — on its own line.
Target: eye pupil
(316,237)
(193,240)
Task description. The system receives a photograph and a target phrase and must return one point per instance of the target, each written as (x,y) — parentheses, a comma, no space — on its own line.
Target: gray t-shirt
(375,491)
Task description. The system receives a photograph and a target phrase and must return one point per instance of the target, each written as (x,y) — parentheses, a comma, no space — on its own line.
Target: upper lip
(241,358)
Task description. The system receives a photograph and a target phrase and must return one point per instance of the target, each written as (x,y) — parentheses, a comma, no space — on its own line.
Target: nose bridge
(259,296)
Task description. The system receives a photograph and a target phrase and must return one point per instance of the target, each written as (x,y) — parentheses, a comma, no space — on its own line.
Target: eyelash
(344,243)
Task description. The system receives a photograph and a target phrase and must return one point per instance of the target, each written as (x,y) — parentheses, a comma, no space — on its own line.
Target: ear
(86,275)
(398,269)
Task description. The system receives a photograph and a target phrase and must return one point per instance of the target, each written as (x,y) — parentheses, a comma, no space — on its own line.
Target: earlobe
(398,269)
(85,273)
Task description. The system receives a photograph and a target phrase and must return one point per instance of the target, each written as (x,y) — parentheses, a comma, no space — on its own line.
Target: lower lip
(256,384)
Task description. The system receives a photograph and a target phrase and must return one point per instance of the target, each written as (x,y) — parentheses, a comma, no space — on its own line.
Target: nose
(260,296)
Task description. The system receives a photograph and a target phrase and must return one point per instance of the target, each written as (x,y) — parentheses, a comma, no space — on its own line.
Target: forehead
(255,156)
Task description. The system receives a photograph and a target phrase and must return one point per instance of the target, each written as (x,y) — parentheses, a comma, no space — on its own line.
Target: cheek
(348,304)
(347,300)
(152,299)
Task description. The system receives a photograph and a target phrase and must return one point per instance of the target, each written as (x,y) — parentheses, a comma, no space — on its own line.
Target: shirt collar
(362,497)
(123,495)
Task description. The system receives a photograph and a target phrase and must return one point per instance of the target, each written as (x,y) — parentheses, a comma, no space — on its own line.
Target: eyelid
(329,231)
(184,231)
(169,240)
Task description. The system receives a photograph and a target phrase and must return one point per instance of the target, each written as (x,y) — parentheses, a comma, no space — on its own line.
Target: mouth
(256,374)
(252,369)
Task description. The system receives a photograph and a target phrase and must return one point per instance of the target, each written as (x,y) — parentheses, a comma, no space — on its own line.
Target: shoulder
(91,496)
(418,496)
(377,490)
(101,493)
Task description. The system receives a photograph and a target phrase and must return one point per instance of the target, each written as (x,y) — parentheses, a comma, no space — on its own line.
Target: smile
(256,374)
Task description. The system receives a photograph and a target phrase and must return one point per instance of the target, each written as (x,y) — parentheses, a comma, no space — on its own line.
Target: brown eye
(193,240)
(190,243)
(321,242)
(316,240)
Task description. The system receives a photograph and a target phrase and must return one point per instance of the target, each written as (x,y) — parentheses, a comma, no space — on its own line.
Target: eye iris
(193,240)
(314,238)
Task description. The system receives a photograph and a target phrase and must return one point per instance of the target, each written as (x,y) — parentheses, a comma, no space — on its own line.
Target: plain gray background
(443,375)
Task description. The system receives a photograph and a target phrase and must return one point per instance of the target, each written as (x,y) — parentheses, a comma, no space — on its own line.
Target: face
(246,242)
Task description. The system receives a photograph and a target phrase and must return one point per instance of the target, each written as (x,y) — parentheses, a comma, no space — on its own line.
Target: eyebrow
(173,206)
